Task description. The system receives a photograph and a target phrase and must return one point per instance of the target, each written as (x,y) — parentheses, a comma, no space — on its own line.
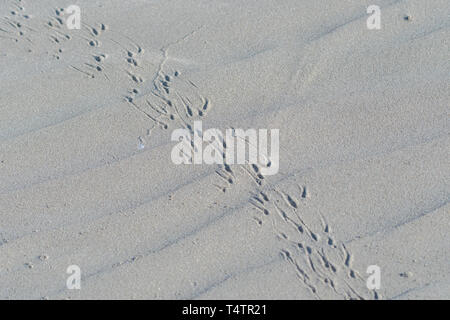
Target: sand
(86,176)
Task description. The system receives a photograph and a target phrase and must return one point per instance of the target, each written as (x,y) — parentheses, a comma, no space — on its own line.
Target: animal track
(14,26)
(173,101)
(322,264)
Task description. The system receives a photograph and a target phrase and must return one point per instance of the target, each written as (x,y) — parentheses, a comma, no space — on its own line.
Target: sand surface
(86,176)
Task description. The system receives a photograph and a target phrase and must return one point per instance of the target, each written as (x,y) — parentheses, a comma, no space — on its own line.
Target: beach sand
(86,176)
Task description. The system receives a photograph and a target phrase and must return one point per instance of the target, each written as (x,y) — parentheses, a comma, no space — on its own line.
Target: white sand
(364,127)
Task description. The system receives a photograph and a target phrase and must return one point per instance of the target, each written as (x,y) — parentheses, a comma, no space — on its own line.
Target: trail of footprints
(14,25)
(96,64)
(89,38)
(20,27)
(322,263)
(171,101)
